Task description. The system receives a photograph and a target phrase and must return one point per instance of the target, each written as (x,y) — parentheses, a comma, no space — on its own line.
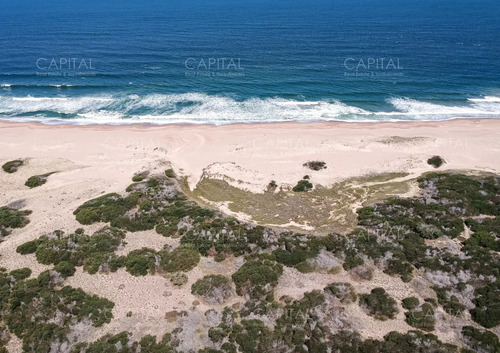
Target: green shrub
(21,273)
(27,248)
(65,268)
(254,276)
(421,318)
(481,340)
(436,161)
(410,303)
(183,258)
(140,176)
(342,291)
(352,261)
(102,209)
(315,165)
(379,304)
(291,258)
(12,166)
(179,278)
(12,218)
(37,180)
(213,288)
(141,262)
(166,230)
(170,173)
(302,186)
(487,301)
(94,252)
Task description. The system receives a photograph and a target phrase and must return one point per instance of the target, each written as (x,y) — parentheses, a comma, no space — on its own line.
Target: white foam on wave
(64,105)
(487,99)
(200,108)
(412,107)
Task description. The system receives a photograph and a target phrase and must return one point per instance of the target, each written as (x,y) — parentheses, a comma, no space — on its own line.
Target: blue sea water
(219,62)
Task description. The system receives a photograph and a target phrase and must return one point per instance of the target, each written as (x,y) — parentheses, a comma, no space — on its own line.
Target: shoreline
(251,124)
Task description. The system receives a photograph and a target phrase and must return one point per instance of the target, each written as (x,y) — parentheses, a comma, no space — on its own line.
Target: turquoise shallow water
(218,62)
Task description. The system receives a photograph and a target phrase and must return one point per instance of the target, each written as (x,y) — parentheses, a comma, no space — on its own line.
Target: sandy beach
(92,160)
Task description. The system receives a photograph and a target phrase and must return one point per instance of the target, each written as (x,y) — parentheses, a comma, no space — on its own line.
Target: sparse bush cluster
(97,253)
(41,313)
(11,218)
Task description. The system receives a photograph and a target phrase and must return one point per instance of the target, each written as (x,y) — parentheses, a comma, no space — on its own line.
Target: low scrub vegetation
(11,218)
(379,304)
(302,186)
(37,180)
(436,161)
(215,289)
(12,166)
(315,165)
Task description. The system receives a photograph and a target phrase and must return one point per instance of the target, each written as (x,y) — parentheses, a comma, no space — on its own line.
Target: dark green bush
(170,173)
(12,166)
(166,230)
(421,318)
(21,273)
(342,291)
(65,268)
(183,258)
(487,301)
(12,218)
(254,276)
(315,165)
(302,186)
(213,288)
(140,176)
(37,180)
(379,304)
(481,340)
(410,303)
(78,249)
(28,248)
(435,161)
(141,262)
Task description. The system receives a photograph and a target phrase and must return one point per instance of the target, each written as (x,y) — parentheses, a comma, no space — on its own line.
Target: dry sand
(91,160)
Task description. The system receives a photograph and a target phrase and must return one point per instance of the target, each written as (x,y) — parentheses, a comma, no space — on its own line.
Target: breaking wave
(200,108)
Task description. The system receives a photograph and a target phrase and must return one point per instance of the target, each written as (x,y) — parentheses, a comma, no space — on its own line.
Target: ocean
(221,62)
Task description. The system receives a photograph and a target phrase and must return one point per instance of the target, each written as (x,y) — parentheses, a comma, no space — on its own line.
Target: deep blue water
(213,61)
